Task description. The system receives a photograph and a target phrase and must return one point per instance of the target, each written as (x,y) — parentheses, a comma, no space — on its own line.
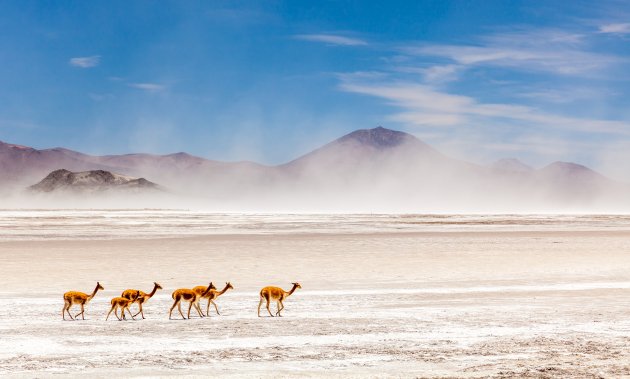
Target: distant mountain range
(367,168)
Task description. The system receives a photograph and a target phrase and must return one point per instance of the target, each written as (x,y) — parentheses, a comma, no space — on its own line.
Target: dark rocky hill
(90,181)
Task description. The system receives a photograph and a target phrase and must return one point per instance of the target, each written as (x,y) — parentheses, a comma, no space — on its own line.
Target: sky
(267,81)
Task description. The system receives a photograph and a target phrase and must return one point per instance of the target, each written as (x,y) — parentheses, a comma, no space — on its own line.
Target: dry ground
(461,304)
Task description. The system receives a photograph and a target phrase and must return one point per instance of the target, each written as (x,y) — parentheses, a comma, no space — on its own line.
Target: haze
(367,171)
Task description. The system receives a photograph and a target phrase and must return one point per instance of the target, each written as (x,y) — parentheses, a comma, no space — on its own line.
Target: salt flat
(483,296)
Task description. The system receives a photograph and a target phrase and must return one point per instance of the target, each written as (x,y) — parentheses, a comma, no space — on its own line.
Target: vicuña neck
(223,290)
(94,292)
(153,291)
(207,290)
(292,290)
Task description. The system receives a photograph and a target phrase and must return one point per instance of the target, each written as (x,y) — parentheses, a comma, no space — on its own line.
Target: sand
(484,303)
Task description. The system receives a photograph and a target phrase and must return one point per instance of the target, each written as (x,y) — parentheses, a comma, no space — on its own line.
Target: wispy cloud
(332,39)
(434,74)
(563,95)
(544,50)
(85,62)
(149,87)
(621,28)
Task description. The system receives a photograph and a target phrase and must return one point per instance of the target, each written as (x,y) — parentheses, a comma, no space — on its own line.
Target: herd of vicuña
(192,296)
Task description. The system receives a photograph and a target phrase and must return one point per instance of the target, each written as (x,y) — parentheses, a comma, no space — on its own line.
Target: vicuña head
(76,297)
(277,294)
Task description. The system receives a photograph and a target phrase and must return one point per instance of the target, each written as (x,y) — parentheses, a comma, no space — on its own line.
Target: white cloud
(622,28)
(428,118)
(441,73)
(563,95)
(149,87)
(85,62)
(332,39)
(434,74)
(529,50)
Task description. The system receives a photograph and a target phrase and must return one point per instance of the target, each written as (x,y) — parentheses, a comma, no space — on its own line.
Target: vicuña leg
(268,310)
(110,312)
(170,312)
(82,313)
(189,308)
(198,308)
(175,304)
(179,308)
(140,311)
(215,307)
(69,314)
(127,308)
(280,308)
(66,308)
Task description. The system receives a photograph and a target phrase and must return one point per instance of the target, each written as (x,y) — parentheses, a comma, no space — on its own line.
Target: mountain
(571,173)
(373,167)
(363,146)
(90,181)
(22,165)
(372,153)
(579,183)
(380,138)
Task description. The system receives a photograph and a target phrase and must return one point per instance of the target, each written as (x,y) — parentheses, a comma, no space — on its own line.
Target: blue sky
(268,81)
